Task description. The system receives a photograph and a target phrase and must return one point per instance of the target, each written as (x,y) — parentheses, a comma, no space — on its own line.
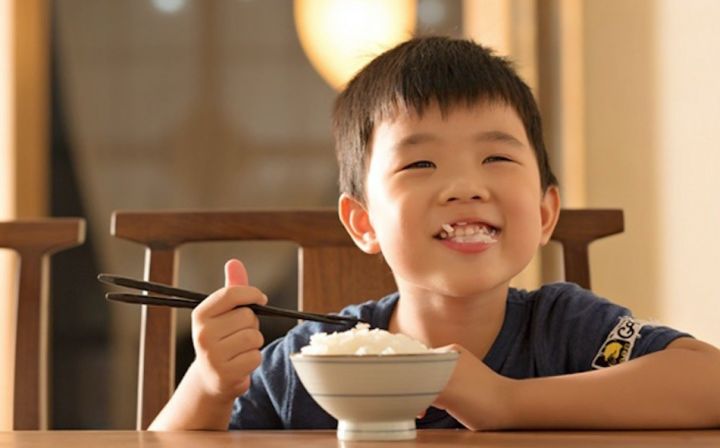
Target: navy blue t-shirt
(557,329)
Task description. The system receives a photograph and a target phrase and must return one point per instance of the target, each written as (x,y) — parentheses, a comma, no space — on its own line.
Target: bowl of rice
(373,382)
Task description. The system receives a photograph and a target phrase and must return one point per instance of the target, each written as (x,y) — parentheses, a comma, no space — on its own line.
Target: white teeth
(476,238)
(464,233)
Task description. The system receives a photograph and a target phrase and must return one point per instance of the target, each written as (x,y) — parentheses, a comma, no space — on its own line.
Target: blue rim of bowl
(448,355)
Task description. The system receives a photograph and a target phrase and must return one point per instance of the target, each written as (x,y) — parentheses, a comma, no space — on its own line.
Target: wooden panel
(31,389)
(426,438)
(588,224)
(576,229)
(34,241)
(156,372)
(31,108)
(334,277)
(171,229)
(42,235)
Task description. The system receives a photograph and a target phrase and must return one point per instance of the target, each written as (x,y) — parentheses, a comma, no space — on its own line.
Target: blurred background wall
(156,104)
(652,108)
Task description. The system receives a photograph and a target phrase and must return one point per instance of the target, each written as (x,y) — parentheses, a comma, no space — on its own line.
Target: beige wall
(7,207)
(24,137)
(622,152)
(688,177)
(652,104)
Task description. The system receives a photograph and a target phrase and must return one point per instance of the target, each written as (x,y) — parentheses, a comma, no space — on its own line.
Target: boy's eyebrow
(498,136)
(484,136)
(414,139)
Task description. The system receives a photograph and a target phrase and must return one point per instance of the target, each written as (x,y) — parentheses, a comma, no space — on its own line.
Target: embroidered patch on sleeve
(619,343)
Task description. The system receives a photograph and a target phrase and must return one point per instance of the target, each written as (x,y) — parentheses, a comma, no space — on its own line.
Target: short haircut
(414,74)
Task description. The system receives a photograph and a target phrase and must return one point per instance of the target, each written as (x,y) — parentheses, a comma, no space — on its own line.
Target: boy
(443,170)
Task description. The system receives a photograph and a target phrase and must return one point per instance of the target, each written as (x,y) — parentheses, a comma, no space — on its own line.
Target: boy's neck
(435,320)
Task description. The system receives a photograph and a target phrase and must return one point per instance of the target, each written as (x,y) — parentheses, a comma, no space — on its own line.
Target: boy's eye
(497,159)
(420,164)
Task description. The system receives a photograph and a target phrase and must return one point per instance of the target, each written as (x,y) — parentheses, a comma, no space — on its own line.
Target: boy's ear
(356,220)
(549,213)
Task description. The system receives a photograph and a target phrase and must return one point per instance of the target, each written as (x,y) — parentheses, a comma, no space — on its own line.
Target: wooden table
(321,439)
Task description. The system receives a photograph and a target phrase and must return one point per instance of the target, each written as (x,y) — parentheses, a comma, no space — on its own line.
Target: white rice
(361,340)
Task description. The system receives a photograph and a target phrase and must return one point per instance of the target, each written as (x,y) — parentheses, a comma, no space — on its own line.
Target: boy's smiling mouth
(468,232)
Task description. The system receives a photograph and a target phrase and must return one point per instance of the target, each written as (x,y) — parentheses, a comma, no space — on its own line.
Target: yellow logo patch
(618,346)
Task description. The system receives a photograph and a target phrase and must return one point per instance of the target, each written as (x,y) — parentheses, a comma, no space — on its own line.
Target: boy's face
(454,204)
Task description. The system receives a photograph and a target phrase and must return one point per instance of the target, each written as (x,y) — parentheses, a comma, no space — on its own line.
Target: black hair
(415,74)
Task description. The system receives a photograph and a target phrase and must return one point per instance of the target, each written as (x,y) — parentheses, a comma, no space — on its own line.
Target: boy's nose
(464,191)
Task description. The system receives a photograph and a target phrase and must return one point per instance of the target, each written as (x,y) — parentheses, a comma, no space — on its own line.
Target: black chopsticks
(182,298)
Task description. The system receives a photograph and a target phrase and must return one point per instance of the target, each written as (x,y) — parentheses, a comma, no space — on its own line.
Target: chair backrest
(575,230)
(35,241)
(332,271)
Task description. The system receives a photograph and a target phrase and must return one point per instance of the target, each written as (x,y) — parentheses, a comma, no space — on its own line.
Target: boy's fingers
(225,299)
(235,273)
(449,348)
(232,321)
(240,342)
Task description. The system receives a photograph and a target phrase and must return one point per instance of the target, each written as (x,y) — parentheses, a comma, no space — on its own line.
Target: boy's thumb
(235,273)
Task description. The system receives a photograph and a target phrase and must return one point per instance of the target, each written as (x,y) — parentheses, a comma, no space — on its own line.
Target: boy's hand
(227,339)
(475,394)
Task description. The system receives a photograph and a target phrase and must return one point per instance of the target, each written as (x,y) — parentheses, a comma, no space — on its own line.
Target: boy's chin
(463,290)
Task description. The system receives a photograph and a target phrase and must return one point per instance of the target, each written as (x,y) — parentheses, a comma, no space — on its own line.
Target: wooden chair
(332,271)
(35,241)
(575,230)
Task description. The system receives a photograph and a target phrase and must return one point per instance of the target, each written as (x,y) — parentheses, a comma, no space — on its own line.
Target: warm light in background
(7,162)
(7,211)
(489,22)
(169,6)
(341,36)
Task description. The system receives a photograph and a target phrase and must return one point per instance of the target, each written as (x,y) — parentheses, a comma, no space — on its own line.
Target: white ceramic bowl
(375,397)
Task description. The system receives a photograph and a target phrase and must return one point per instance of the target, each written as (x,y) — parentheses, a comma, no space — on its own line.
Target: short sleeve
(654,338)
(580,331)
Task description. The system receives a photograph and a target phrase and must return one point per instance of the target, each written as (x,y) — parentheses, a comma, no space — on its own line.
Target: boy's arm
(678,387)
(227,344)
(191,408)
